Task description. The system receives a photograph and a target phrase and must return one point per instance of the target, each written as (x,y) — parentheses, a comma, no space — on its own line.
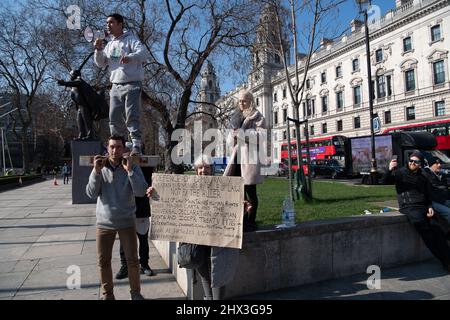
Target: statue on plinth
(91,104)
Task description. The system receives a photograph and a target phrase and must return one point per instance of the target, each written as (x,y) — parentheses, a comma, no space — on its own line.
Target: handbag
(191,256)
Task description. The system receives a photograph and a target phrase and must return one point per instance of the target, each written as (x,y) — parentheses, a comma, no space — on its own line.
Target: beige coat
(251,147)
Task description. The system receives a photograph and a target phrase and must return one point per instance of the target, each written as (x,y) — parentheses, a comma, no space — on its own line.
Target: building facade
(410,74)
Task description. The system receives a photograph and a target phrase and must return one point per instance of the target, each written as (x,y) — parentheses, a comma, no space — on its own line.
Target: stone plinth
(80,174)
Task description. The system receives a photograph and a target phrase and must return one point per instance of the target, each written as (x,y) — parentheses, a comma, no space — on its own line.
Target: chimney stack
(325,42)
(356,25)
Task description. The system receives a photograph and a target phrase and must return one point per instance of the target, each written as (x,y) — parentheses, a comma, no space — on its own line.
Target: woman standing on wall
(248,126)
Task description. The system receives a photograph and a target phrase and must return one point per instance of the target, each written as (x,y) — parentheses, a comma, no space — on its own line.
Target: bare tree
(52,127)
(192,32)
(23,65)
(180,36)
(318,22)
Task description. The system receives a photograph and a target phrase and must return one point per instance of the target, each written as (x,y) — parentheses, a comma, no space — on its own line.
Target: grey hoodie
(125,45)
(115,190)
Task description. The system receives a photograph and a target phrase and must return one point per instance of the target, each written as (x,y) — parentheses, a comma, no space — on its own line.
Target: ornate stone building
(204,116)
(410,72)
(209,93)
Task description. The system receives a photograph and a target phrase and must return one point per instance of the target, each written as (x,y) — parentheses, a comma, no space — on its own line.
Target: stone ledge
(313,251)
(317,227)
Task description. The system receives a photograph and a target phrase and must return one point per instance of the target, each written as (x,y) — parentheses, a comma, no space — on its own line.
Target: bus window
(338,141)
(436,153)
(420,128)
(437,131)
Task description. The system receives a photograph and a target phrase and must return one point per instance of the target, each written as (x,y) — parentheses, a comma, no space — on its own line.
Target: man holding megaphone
(125,56)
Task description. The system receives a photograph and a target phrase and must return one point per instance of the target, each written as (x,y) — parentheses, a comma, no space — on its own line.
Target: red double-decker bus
(331,147)
(440,129)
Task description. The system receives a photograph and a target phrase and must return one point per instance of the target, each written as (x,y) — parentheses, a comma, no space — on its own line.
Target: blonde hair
(248,96)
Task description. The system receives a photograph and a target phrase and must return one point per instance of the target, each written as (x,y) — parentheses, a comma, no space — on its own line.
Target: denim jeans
(105,243)
(125,102)
(442,209)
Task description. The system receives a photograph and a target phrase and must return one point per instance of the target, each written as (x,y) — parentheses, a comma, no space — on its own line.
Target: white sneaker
(135,151)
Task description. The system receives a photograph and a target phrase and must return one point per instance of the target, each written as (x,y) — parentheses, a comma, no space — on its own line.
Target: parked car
(283,170)
(329,168)
(271,170)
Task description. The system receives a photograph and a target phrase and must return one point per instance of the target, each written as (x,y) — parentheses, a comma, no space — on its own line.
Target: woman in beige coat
(247,138)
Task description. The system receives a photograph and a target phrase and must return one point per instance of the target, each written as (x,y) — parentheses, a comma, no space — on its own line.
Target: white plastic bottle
(288,215)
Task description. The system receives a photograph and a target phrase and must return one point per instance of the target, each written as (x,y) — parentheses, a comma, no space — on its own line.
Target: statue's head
(75,74)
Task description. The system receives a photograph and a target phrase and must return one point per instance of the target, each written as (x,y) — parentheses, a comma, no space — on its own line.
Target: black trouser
(205,275)
(252,197)
(143,250)
(66,178)
(435,240)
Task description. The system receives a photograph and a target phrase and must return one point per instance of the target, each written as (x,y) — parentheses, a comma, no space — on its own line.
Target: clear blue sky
(348,11)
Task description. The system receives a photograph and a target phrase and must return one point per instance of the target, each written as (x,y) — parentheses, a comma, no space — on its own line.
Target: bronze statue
(91,105)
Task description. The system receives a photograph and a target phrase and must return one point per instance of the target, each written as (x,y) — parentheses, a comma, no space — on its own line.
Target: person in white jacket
(125,56)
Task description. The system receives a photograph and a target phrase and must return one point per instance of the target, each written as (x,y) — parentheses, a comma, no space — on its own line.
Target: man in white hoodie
(125,56)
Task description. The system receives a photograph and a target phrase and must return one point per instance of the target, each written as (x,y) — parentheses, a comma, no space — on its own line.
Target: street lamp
(3,138)
(3,152)
(364,6)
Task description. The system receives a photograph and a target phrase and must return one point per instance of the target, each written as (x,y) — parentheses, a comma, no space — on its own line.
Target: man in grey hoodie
(125,56)
(115,182)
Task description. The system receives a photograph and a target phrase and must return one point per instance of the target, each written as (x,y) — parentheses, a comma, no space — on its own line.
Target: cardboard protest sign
(204,210)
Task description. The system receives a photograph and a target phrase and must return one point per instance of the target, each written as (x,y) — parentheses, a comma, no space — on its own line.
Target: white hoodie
(125,45)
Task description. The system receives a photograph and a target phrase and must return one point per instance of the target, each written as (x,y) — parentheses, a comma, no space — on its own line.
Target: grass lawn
(330,200)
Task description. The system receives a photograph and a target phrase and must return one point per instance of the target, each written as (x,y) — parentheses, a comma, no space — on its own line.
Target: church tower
(267,58)
(206,117)
(268,61)
(209,94)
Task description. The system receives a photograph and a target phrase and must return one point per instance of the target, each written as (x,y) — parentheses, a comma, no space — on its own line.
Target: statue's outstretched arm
(74,83)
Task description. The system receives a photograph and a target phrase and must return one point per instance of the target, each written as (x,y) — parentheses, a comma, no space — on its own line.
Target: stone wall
(273,259)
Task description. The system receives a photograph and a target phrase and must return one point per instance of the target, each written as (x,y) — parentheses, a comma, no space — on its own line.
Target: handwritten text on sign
(198,209)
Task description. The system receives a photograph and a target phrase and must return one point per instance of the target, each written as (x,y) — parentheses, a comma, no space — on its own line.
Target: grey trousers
(125,102)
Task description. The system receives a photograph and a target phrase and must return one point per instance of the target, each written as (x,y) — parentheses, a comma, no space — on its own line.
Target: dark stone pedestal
(80,175)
